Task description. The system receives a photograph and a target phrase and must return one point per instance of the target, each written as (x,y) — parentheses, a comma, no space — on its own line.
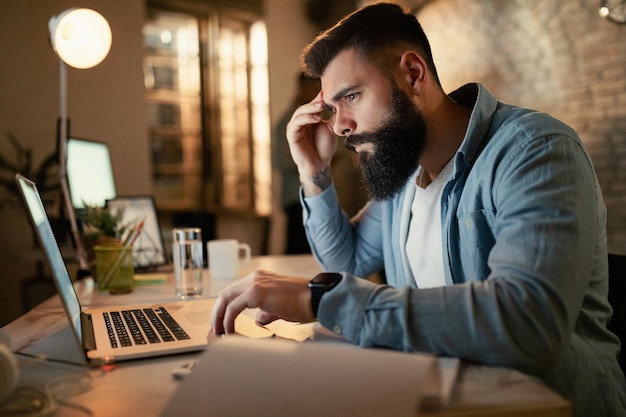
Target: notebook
(111,334)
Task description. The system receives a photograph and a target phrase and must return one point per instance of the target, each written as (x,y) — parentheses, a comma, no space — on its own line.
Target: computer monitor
(89,173)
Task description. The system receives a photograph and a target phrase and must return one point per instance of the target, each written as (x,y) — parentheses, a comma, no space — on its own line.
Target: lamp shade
(80,37)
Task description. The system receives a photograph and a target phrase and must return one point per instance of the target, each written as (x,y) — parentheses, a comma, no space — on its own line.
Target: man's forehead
(343,73)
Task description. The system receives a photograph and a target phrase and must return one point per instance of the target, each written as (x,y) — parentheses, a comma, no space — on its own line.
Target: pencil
(129,242)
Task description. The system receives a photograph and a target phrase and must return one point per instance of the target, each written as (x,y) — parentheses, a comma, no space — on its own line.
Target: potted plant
(109,247)
(19,160)
(16,158)
(103,225)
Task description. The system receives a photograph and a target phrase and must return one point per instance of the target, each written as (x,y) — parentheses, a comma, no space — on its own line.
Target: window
(173,99)
(205,74)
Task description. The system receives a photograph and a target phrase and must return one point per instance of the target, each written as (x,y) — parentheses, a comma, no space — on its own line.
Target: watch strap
(320,285)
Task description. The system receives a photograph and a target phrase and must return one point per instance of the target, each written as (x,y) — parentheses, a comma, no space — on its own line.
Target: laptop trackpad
(198,318)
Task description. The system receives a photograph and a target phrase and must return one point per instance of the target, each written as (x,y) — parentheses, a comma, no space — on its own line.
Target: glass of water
(188,261)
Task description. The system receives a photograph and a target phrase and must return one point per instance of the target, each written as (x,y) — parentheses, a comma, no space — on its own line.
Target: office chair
(617,298)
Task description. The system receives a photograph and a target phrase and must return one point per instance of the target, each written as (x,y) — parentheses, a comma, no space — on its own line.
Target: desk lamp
(82,39)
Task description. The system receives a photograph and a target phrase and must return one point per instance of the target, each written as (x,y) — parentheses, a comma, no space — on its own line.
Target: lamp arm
(81,254)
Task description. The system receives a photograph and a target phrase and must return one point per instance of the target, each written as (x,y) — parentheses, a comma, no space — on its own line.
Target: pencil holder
(114,269)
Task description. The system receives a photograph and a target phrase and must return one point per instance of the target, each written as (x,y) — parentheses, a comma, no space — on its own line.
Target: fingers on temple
(307,113)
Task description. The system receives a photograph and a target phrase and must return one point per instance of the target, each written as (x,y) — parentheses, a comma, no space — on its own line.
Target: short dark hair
(375,32)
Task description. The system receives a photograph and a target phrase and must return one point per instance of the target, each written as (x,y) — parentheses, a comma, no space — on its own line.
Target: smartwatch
(321,284)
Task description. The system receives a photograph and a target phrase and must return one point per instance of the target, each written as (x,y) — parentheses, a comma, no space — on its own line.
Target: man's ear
(413,68)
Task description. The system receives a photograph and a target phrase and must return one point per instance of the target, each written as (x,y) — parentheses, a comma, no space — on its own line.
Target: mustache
(352,141)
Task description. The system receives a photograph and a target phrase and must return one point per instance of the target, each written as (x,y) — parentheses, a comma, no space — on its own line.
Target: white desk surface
(143,387)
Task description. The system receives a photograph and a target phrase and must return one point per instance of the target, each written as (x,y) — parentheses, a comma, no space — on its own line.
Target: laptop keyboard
(141,327)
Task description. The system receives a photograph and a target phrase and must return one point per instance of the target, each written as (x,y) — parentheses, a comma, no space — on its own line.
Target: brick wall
(557,56)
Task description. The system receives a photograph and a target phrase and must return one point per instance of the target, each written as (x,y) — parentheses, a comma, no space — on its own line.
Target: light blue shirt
(525,260)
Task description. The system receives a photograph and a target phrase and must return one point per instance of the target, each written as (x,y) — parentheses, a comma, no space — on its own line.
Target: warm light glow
(261,129)
(604,11)
(80,37)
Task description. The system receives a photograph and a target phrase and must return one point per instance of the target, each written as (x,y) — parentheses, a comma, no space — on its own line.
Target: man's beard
(397,146)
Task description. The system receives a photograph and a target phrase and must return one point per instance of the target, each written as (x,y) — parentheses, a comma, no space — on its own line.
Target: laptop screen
(89,173)
(51,248)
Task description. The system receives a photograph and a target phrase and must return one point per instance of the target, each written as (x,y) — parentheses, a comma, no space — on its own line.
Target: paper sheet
(245,324)
(248,327)
(293,331)
(237,376)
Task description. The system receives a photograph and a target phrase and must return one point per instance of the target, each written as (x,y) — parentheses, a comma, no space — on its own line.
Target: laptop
(112,334)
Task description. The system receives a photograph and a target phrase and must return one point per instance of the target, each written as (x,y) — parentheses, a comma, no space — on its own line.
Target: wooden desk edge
(558,409)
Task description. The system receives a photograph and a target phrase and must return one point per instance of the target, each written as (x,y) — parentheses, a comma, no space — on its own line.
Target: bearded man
(487,219)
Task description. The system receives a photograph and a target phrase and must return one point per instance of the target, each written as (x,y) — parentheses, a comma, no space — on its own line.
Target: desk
(143,387)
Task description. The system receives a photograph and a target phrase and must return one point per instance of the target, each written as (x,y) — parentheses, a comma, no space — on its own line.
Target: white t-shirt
(423,244)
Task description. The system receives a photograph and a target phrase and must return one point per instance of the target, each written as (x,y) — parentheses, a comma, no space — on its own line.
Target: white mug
(225,257)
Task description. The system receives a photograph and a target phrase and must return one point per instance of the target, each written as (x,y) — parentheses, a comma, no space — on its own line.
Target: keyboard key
(140,327)
(133,328)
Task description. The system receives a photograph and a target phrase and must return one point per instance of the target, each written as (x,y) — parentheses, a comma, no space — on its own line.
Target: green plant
(19,160)
(103,222)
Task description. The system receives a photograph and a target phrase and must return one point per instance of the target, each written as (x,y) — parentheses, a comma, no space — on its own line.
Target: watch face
(325,279)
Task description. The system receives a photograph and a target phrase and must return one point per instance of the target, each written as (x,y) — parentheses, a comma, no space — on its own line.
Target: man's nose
(342,125)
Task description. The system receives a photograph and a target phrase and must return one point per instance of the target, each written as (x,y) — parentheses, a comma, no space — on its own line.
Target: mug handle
(247,252)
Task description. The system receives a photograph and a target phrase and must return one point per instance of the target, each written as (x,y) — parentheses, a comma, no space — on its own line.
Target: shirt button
(337,329)
(468,222)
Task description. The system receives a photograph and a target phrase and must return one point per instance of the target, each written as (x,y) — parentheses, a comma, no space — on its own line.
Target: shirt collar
(483,105)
